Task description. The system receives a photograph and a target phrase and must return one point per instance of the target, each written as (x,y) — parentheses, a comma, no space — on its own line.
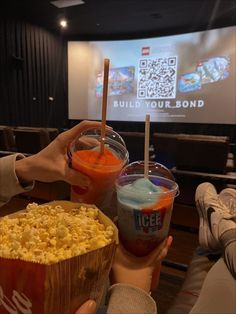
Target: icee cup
(102,169)
(144,206)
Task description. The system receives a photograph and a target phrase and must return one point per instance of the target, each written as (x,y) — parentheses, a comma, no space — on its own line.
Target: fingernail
(169,241)
(92,305)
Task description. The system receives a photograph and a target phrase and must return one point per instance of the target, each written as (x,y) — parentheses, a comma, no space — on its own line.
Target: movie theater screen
(183,78)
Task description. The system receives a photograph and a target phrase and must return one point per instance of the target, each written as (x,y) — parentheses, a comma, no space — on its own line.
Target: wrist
(140,278)
(24,171)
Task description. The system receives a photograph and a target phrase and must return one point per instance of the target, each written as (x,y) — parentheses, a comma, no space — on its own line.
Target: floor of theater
(172,276)
(174,269)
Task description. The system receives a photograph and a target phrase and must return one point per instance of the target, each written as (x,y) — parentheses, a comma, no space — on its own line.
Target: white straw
(104,102)
(146,145)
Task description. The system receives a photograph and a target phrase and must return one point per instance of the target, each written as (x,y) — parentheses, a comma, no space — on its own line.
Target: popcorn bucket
(61,287)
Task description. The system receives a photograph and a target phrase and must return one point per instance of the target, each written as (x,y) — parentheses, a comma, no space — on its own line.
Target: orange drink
(101,168)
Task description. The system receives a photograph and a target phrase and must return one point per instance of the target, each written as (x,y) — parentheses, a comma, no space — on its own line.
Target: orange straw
(146,145)
(104,102)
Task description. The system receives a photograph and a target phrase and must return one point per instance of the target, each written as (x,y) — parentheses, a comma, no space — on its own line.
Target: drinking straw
(146,145)
(104,102)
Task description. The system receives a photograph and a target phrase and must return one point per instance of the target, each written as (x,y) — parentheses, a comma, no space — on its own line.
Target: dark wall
(33,67)
(33,76)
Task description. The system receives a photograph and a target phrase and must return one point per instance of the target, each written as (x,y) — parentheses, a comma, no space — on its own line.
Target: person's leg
(218,293)
(230,255)
(228,198)
(217,223)
(217,231)
(198,268)
(214,241)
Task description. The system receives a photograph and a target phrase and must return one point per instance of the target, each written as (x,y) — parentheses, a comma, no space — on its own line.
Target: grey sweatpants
(218,293)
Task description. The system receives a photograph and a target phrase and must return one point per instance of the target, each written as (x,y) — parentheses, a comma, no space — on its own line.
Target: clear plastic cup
(144,207)
(102,169)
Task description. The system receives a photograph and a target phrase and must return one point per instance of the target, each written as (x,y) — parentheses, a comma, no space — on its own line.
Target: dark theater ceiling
(116,19)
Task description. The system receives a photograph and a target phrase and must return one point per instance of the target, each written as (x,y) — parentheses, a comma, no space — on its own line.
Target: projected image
(157,78)
(213,69)
(186,78)
(120,81)
(189,82)
(208,71)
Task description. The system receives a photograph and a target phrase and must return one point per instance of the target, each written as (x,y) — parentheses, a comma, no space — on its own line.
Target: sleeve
(9,183)
(124,298)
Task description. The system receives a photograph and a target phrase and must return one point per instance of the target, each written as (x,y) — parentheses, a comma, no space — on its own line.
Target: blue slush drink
(144,210)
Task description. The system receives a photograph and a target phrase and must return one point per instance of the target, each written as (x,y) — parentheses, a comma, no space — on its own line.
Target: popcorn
(54,256)
(47,234)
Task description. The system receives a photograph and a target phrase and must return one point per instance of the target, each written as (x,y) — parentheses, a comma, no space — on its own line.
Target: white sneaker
(211,211)
(206,197)
(228,197)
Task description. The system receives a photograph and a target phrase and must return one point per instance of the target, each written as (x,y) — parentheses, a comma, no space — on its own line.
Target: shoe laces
(221,208)
(228,211)
(232,207)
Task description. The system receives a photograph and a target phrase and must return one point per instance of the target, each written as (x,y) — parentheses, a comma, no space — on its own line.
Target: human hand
(51,163)
(89,307)
(138,271)
(87,142)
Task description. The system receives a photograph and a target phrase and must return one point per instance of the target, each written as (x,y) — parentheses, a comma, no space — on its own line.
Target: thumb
(89,307)
(72,133)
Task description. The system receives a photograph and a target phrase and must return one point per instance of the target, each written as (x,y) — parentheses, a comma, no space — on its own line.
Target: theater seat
(7,140)
(31,141)
(165,148)
(135,144)
(53,132)
(203,153)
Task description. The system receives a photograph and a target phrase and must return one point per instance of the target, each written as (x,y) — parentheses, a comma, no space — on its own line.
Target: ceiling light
(63,23)
(66,3)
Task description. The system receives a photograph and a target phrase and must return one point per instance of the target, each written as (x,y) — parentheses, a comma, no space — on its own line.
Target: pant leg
(195,276)
(228,241)
(218,293)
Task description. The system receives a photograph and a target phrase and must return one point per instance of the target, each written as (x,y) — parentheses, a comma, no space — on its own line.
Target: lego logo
(145,51)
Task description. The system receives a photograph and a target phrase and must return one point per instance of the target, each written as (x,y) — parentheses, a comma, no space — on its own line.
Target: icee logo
(19,303)
(149,220)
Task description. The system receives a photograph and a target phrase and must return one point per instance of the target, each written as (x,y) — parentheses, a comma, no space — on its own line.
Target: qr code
(157,78)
